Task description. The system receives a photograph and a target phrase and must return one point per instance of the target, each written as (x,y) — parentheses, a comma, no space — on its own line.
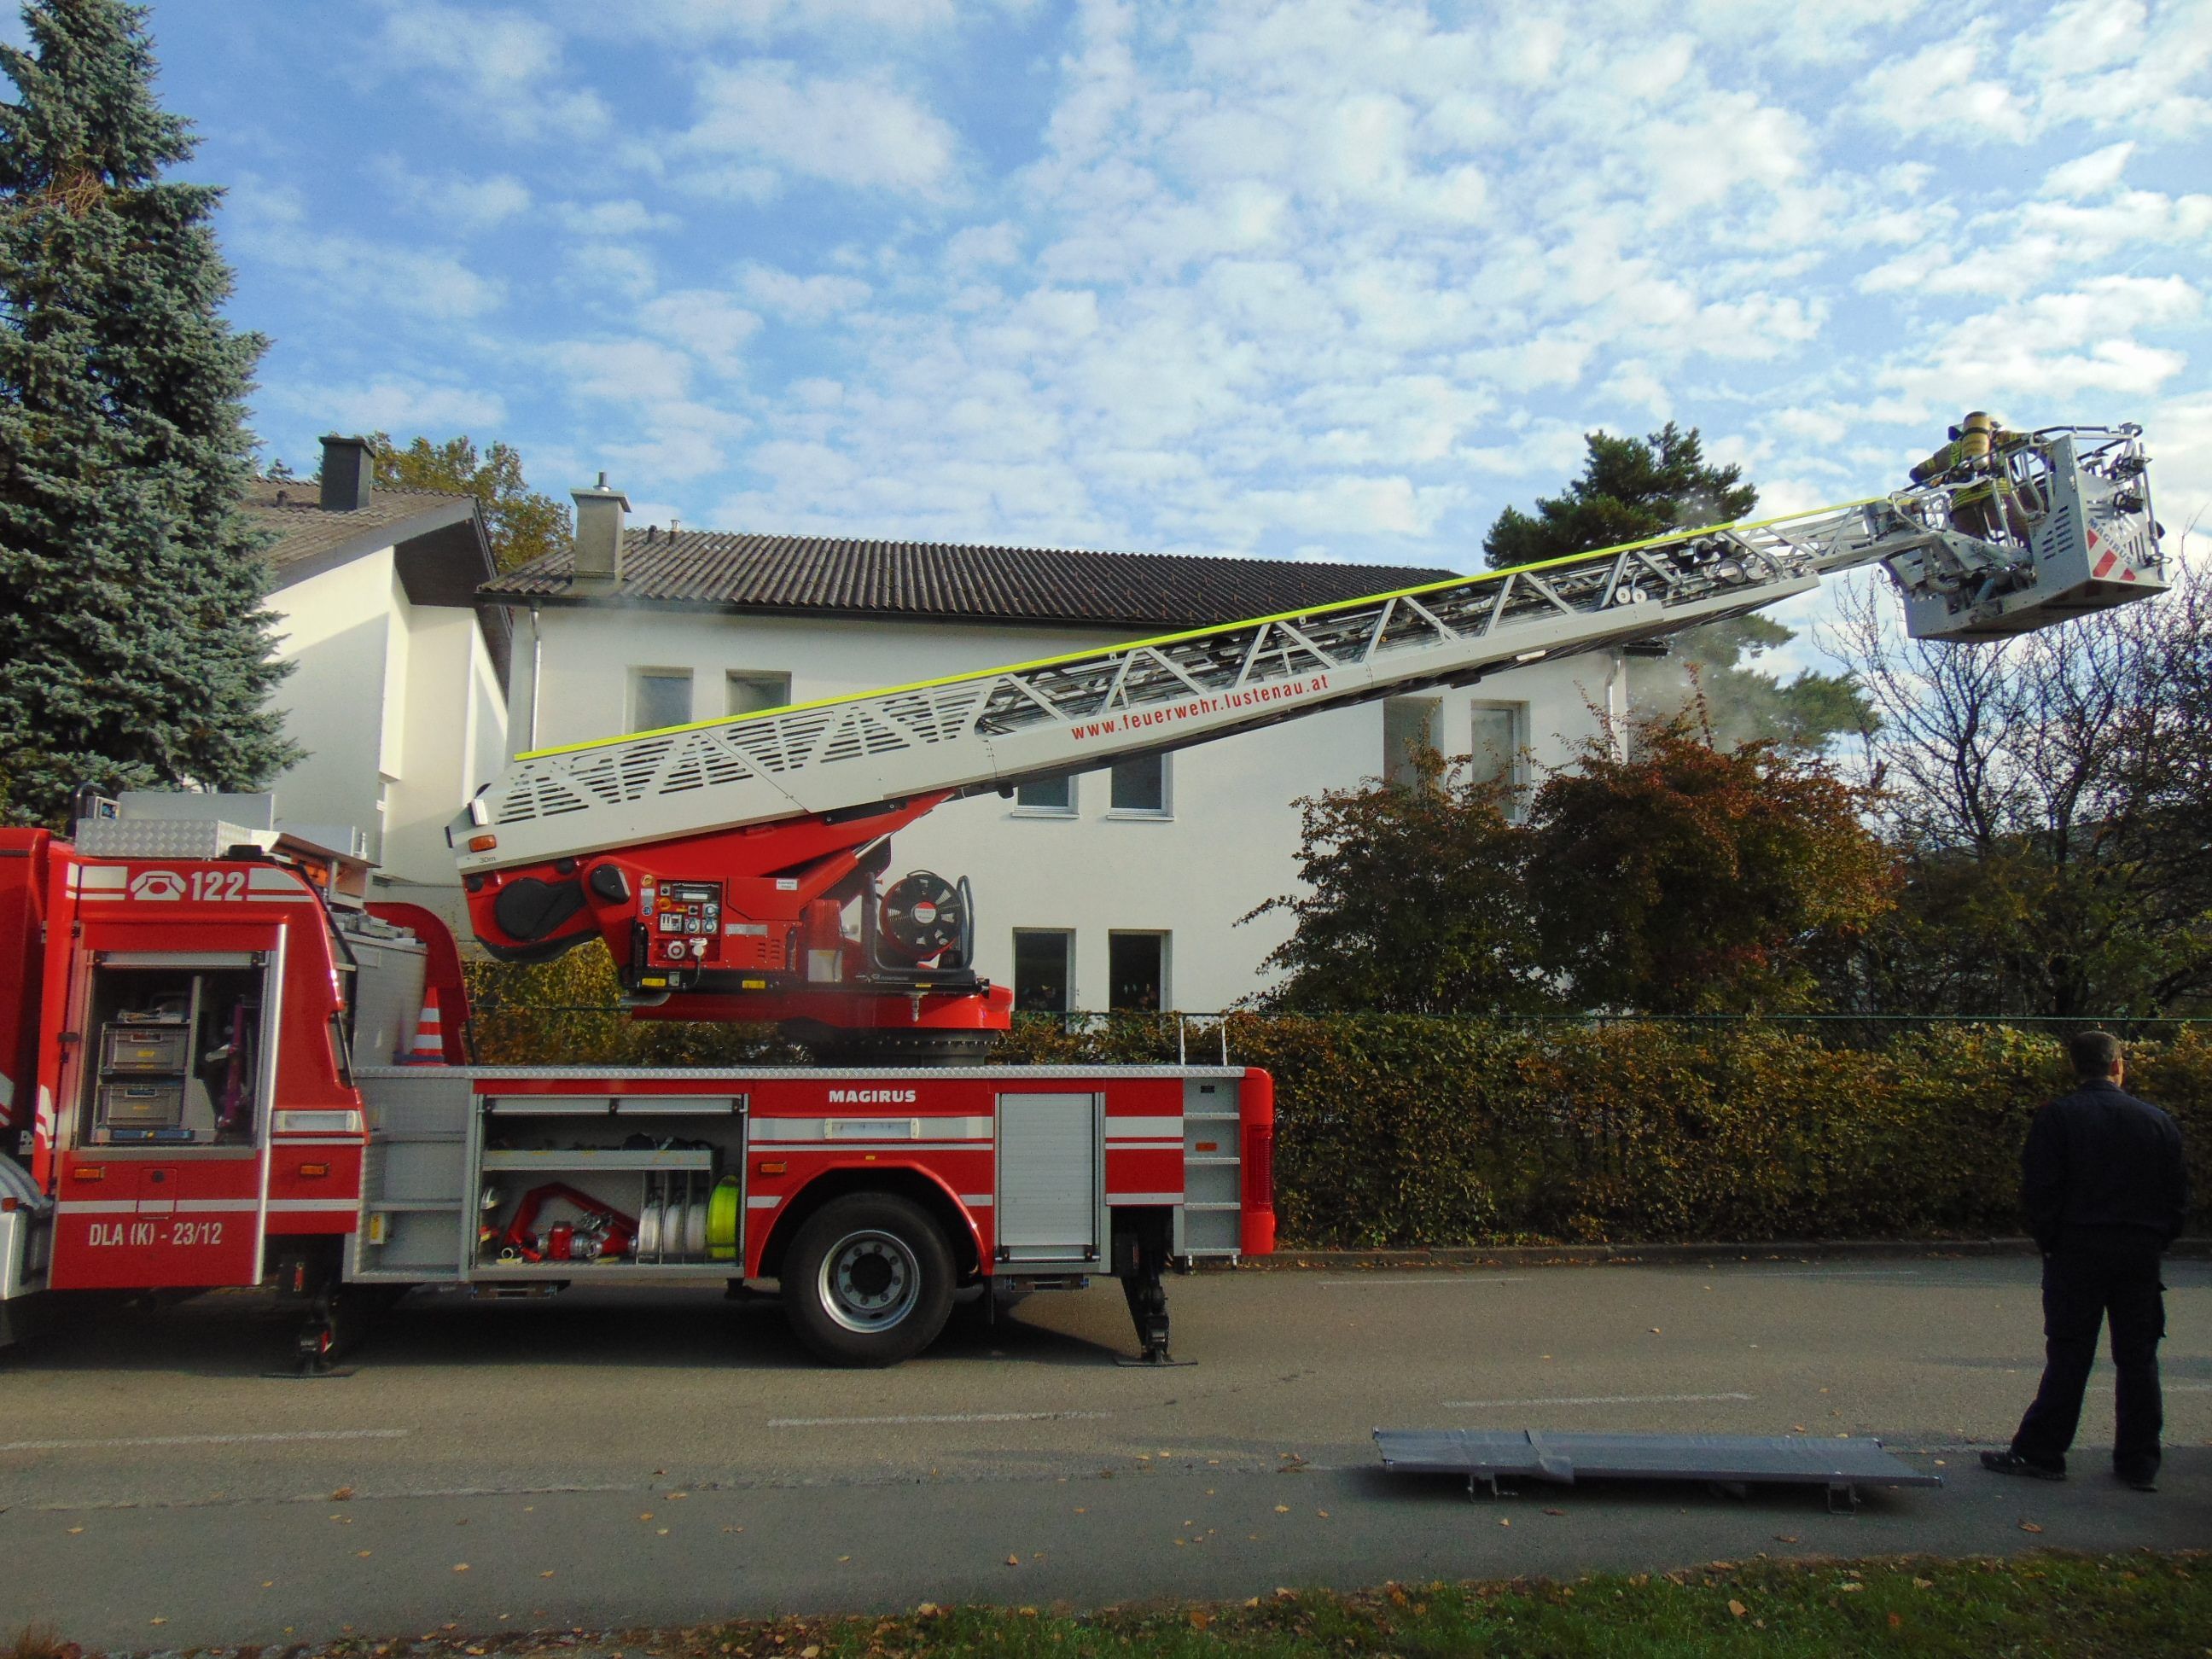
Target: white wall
(399,708)
(335,628)
(452,727)
(1231,840)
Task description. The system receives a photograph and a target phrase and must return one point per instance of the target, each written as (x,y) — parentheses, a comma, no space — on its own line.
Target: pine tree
(134,652)
(1634,487)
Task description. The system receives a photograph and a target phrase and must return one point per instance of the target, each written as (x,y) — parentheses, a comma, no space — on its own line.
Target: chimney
(599,534)
(349,473)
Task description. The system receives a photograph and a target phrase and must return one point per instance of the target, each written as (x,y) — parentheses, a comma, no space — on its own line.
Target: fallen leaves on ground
(1738,1608)
(2029,1526)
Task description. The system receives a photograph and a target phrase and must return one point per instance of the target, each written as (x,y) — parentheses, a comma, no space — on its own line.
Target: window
(1137,971)
(1500,735)
(1140,785)
(748,693)
(1044,979)
(1409,726)
(659,697)
(1046,798)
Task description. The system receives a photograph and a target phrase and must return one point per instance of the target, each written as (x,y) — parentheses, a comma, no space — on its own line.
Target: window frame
(1074,809)
(1165,936)
(733,677)
(1067,937)
(1160,814)
(1515,775)
(1397,768)
(639,674)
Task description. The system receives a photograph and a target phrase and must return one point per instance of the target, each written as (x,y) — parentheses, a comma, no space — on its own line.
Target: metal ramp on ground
(1726,1460)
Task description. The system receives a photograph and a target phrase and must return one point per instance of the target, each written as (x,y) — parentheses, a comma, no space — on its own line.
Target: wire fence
(1856,1030)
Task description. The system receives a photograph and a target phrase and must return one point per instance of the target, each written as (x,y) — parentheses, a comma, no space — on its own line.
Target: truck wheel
(868,1280)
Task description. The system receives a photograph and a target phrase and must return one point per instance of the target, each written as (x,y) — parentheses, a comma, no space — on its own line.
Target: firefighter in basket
(1983,504)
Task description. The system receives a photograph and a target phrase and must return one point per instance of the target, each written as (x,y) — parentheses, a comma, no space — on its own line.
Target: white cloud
(703,321)
(599,269)
(623,217)
(456,200)
(2178,433)
(2090,174)
(2075,350)
(272,223)
(2014,250)
(2120,63)
(681,440)
(983,247)
(1941,88)
(397,405)
(620,371)
(1727,140)
(708,21)
(801,299)
(862,133)
(504,67)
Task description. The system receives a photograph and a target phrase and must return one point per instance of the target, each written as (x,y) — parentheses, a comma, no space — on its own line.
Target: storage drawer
(144,1048)
(141,1105)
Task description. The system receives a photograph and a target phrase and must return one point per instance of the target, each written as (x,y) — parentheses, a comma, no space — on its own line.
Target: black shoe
(2005,1463)
(2140,1480)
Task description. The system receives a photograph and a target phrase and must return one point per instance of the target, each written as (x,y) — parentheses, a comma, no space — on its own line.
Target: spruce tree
(134,652)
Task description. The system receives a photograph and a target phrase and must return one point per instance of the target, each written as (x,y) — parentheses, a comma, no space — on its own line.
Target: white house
(397,692)
(1120,888)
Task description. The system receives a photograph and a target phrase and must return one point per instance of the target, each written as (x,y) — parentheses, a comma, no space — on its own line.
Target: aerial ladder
(720,861)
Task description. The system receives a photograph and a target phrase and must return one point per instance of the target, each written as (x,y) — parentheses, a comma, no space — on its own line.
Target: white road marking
(950,1417)
(1426,1279)
(203,1440)
(1597,1400)
(1855,1273)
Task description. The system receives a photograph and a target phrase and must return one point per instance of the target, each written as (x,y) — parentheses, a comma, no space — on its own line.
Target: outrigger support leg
(1143,1240)
(318,1339)
(334,1309)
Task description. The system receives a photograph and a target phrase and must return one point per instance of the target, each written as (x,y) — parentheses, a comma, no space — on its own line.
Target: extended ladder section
(2090,542)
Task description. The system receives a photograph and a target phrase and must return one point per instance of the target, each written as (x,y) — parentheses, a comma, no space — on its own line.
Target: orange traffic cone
(429,1047)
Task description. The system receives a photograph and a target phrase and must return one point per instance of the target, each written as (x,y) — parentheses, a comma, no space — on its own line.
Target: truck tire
(868,1281)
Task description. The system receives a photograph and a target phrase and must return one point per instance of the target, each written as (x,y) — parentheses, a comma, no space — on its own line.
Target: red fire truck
(216,1069)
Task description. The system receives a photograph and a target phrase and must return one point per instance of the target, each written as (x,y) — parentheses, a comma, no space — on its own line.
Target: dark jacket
(2100,1158)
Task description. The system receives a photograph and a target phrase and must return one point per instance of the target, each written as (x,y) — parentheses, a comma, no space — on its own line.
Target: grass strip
(2143,1606)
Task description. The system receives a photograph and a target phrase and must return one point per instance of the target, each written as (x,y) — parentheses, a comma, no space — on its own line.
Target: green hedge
(1409,1132)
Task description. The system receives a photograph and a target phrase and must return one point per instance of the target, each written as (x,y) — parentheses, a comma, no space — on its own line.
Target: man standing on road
(2104,1191)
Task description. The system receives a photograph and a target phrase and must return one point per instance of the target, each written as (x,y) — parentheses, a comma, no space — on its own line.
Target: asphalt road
(598,1461)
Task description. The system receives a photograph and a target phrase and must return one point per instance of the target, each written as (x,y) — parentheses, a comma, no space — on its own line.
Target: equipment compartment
(178,1060)
(471,1186)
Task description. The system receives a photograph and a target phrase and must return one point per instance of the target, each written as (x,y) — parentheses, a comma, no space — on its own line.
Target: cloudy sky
(1322,279)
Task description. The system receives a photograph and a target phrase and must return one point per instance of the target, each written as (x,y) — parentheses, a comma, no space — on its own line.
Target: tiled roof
(820,576)
(304,531)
